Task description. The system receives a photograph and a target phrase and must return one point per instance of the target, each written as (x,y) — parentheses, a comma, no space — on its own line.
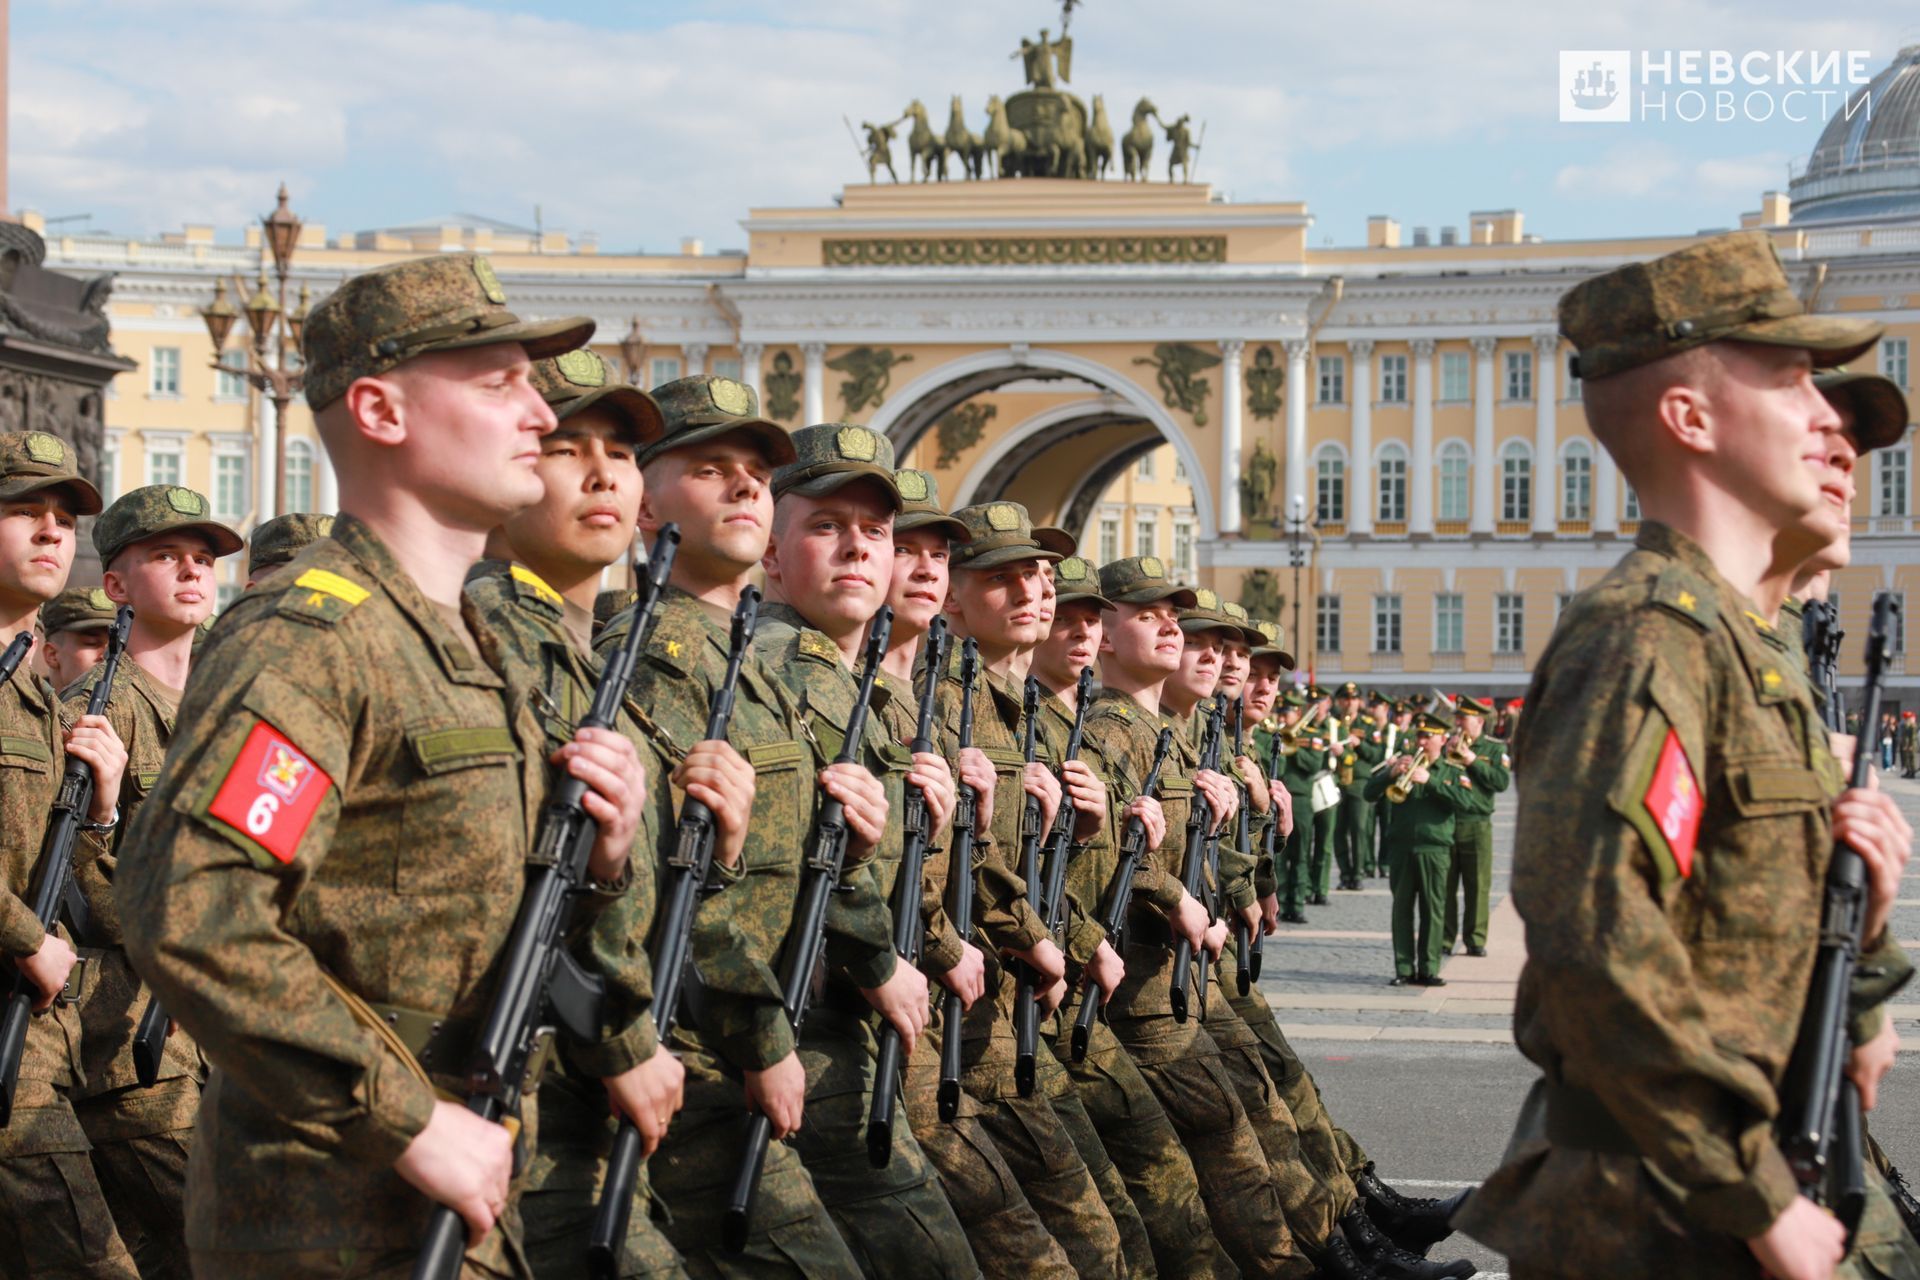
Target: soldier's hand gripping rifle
(539,982)
(1200,837)
(909,929)
(684,876)
(1026,1008)
(807,939)
(1820,1128)
(54,893)
(959,887)
(1242,840)
(1133,847)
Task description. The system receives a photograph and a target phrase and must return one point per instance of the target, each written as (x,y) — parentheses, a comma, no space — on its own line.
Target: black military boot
(1337,1262)
(1386,1260)
(1414,1223)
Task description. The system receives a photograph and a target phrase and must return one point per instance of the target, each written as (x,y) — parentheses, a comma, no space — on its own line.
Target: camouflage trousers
(1051,1079)
(692,1172)
(1010,1242)
(325,1264)
(895,1220)
(1142,1143)
(1330,1149)
(1184,1068)
(54,1220)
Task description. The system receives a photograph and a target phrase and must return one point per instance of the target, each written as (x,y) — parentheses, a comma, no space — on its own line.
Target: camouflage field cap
(829,456)
(1731,287)
(381,319)
(1143,580)
(157,509)
(77,609)
(284,537)
(33,460)
(920,506)
(1075,580)
(1003,533)
(1272,643)
(1236,612)
(704,407)
(1878,406)
(575,381)
(1433,720)
(1467,705)
(1209,613)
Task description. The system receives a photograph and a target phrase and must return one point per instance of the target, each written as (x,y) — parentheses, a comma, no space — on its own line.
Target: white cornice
(937,227)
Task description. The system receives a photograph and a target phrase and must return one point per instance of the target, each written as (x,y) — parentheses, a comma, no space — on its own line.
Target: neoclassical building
(1157,368)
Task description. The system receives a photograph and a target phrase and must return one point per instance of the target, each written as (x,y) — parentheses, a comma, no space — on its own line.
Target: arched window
(1576,481)
(299,475)
(1330,483)
(1456,480)
(1392,483)
(1516,481)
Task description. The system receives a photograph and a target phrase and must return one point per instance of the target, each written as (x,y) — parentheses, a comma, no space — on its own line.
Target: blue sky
(645,122)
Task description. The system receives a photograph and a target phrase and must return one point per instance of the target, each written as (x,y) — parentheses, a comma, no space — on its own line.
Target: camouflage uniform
(1180,1061)
(352,773)
(895,1219)
(279,540)
(1670,870)
(55,1221)
(141,1134)
(77,609)
(733,1018)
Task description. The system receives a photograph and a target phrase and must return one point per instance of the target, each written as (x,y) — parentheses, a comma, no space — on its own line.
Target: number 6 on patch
(271,792)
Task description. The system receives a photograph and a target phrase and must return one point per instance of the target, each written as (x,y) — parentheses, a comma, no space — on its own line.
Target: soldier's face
(919,588)
(585,518)
(1263,686)
(168,579)
(1472,726)
(1777,437)
(36,548)
(1145,638)
(1000,606)
(1072,644)
(472,425)
(717,492)
(1048,593)
(1199,672)
(68,655)
(1235,657)
(832,557)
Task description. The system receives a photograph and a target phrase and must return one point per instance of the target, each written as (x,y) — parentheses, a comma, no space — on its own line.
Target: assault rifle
(1026,1007)
(959,887)
(1199,837)
(539,981)
(1133,847)
(1820,636)
(1243,935)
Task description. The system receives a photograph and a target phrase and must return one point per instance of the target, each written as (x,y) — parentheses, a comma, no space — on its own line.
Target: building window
(1109,539)
(1893,359)
(728,367)
(163,379)
(1183,566)
(1890,472)
(1179,470)
(229,486)
(1393,483)
(1333,379)
(299,475)
(1519,375)
(1573,376)
(1143,531)
(231,382)
(1456,481)
(1898,640)
(1516,482)
(1386,624)
(1509,623)
(1632,505)
(665,369)
(1326,624)
(1143,470)
(1449,622)
(1393,379)
(1456,377)
(1330,483)
(164,462)
(1576,482)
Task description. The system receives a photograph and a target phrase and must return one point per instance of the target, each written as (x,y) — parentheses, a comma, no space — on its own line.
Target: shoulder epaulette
(812,644)
(1682,591)
(320,595)
(530,588)
(678,633)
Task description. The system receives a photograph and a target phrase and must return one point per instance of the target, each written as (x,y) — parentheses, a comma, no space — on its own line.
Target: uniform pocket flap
(1774,788)
(444,750)
(1174,786)
(23,751)
(1004,758)
(776,755)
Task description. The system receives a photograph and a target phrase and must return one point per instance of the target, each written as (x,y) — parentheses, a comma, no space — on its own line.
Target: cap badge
(98,599)
(323,526)
(42,447)
(1072,569)
(1207,599)
(1002,518)
(1151,567)
(582,368)
(489,282)
(912,485)
(729,396)
(186,502)
(856,444)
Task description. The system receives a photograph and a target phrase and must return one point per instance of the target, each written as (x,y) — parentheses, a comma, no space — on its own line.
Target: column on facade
(1606,493)
(1420,477)
(1297,349)
(326,488)
(1484,463)
(1231,398)
(815,393)
(1360,496)
(696,353)
(1546,361)
(750,356)
(263,435)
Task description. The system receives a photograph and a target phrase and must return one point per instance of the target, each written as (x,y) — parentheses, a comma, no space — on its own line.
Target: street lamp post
(271,328)
(1297,557)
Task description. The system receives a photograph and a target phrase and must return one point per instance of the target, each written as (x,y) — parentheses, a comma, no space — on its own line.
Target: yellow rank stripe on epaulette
(537,584)
(815,645)
(322,583)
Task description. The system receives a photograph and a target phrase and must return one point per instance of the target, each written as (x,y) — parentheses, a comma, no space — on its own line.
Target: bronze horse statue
(1136,149)
(1099,140)
(1002,141)
(964,145)
(926,150)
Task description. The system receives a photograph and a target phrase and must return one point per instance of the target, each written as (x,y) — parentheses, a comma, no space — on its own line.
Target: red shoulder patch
(1674,802)
(271,792)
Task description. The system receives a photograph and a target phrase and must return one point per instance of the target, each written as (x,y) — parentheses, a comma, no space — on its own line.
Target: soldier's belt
(1577,1119)
(429,1042)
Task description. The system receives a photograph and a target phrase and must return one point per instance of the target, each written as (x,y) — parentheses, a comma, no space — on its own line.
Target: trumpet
(1455,751)
(1401,787)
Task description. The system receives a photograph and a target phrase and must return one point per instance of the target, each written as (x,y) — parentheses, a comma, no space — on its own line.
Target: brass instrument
(1401,787)
(1455,751)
